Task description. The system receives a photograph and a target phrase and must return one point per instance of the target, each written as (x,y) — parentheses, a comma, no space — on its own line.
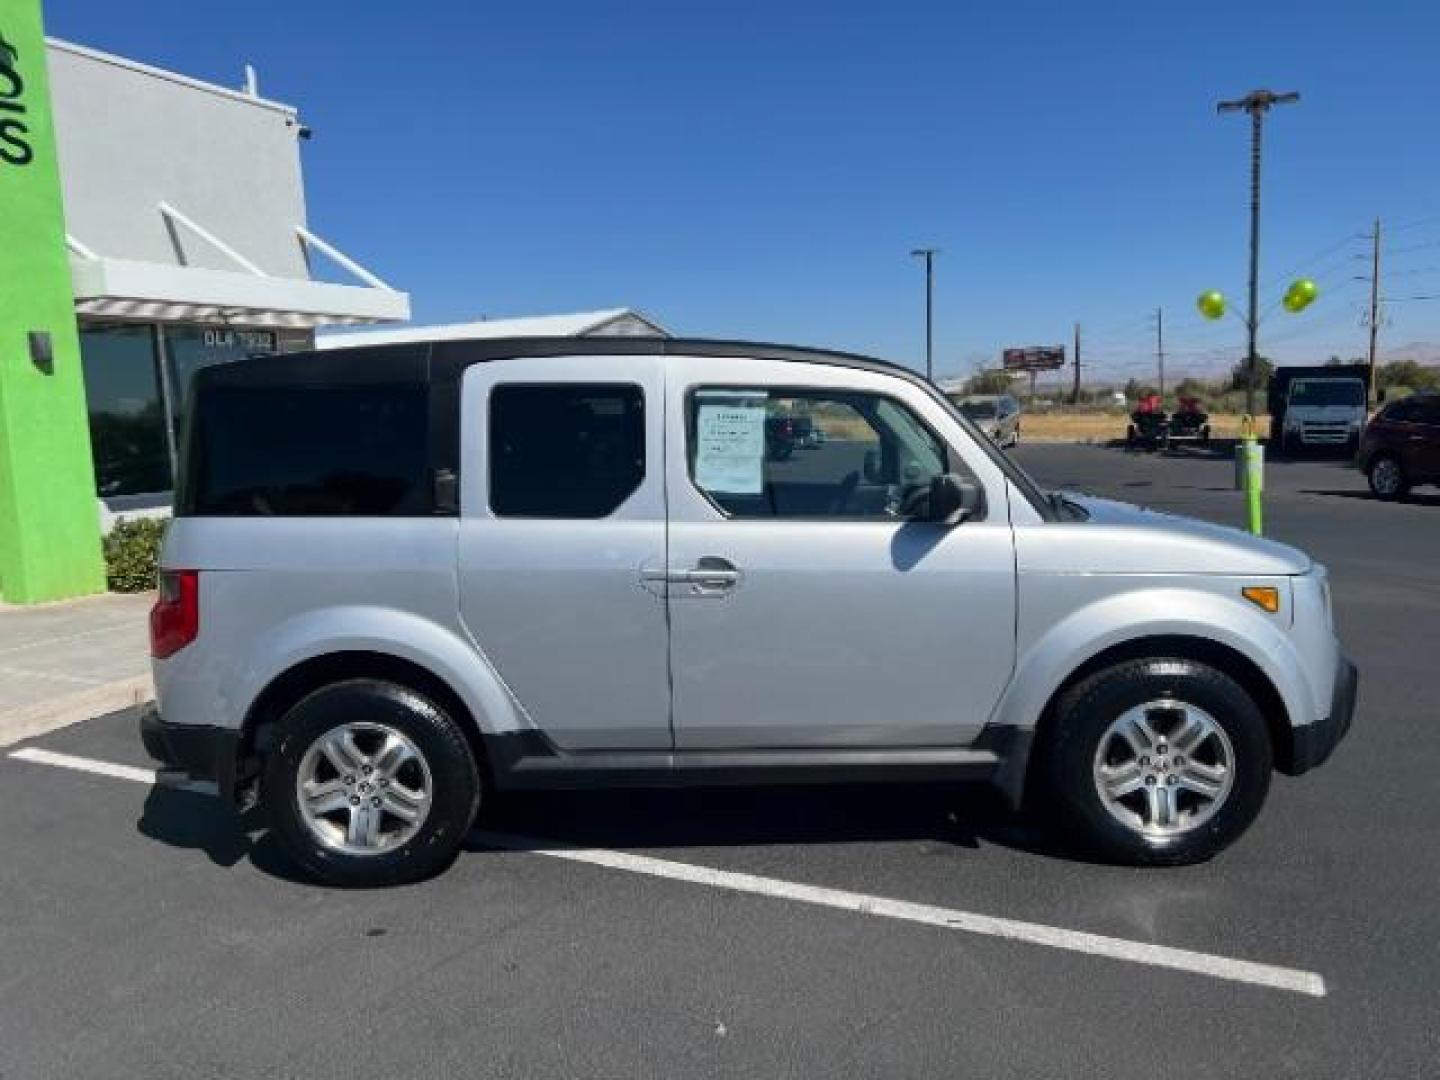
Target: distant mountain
(1422,352)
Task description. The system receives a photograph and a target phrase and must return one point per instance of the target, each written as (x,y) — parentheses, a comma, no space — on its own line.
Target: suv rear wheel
(1158,762)
(1387,478)
(370,783)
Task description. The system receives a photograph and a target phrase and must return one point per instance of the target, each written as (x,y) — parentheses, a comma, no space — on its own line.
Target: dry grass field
(1102,427)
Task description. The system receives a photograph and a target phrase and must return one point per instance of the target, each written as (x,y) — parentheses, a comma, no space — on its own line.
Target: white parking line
(1134,952)
(110,769)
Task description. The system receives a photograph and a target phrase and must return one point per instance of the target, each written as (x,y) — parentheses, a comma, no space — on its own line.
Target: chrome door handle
(714,578)
(711,575)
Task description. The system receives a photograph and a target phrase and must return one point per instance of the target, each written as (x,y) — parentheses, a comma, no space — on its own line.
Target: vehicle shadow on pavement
(200,822)
(1215,449)
(764,816)
(194,821)
(966,818)
(1224,450)
(1413,499)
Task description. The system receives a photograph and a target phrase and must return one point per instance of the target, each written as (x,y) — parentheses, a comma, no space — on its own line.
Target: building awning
(114,288)
(611,322)
(156,292)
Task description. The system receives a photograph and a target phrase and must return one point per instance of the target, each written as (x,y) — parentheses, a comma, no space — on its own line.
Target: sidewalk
(65,662)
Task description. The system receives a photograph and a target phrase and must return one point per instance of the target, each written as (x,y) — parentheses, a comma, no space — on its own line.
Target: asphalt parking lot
(145,932)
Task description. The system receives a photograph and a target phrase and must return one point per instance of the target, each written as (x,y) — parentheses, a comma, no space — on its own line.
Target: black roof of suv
(439,364)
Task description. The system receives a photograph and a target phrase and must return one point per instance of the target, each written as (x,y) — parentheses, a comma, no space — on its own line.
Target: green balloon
(1211,304)
(1295,302)
(1306,288)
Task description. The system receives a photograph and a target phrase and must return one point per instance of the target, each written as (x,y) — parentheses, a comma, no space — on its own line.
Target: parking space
(147,932)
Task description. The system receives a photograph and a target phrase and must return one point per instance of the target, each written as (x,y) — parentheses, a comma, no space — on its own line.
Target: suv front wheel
(370,783)
(1158,762)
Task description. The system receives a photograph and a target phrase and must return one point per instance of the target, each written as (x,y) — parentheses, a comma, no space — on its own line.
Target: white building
(186,222)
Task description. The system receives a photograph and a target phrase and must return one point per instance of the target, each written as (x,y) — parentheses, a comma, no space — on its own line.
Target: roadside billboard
(1034,358)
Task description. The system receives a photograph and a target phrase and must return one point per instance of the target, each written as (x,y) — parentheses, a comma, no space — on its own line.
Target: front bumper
(1312,744)
(201,751)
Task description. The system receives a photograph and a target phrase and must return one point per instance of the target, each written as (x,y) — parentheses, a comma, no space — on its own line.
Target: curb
(66,709)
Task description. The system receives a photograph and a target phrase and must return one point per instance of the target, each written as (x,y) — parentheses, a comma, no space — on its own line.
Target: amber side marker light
(1265,597)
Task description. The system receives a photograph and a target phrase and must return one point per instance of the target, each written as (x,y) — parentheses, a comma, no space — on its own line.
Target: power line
(1311,327)
(1319,279)
(1310,260)
(1414,223)
(1405,273)
(1416,247)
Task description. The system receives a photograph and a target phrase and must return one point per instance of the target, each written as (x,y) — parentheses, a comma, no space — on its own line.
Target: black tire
(1387,478)
(454,777)
(1085,713)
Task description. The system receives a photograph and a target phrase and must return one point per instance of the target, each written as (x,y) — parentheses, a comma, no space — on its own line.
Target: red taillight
(175,618)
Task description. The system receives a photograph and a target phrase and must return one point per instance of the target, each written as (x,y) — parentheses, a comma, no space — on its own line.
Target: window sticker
(730,442)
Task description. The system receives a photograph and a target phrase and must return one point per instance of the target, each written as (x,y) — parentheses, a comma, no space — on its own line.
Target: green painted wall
(49,523)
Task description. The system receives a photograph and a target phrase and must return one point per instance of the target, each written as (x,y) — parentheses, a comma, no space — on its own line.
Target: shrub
(132,551)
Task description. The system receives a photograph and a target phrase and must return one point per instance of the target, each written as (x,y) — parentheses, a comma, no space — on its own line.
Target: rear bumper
(1312,744)
(201,751)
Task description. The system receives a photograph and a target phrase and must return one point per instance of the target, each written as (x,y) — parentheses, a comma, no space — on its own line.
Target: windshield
(1318,392)
(978,410)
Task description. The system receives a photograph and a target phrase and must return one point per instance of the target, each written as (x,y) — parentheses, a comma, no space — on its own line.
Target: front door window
(803,453)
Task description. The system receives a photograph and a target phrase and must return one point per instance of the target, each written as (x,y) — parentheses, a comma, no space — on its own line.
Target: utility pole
(1075,391)
(1257,103)
(929,256)
(1374,313)
(1160,351)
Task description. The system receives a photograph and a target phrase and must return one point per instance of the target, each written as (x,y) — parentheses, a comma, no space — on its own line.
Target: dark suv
(1401,446)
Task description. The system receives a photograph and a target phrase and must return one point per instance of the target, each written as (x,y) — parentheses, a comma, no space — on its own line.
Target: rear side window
(1427,412)
(565,450)
(1405,411)
(309,451)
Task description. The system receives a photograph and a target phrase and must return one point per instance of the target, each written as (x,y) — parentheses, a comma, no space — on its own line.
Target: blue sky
(763,169)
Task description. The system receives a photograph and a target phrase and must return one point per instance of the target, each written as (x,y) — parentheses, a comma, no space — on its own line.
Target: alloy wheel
(363,788)
(1164,768)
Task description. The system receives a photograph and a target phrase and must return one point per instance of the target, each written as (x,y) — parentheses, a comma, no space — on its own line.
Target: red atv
(1148,423)
(1190,421)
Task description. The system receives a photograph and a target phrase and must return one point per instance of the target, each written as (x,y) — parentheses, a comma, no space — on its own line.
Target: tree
(1240,374)
(1192,387)
(1135,389)
(1407,373)
(988,382)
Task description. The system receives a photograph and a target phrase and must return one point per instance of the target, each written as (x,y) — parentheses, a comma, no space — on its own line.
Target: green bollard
(1250,477)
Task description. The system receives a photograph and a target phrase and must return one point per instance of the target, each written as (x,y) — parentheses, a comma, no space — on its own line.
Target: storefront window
(127,414)
(191,348)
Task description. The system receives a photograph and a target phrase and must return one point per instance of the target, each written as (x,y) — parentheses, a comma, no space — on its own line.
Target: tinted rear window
(309,451)
(565,451)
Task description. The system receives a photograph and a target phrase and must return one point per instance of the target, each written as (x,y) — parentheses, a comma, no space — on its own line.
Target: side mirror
(954,499)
